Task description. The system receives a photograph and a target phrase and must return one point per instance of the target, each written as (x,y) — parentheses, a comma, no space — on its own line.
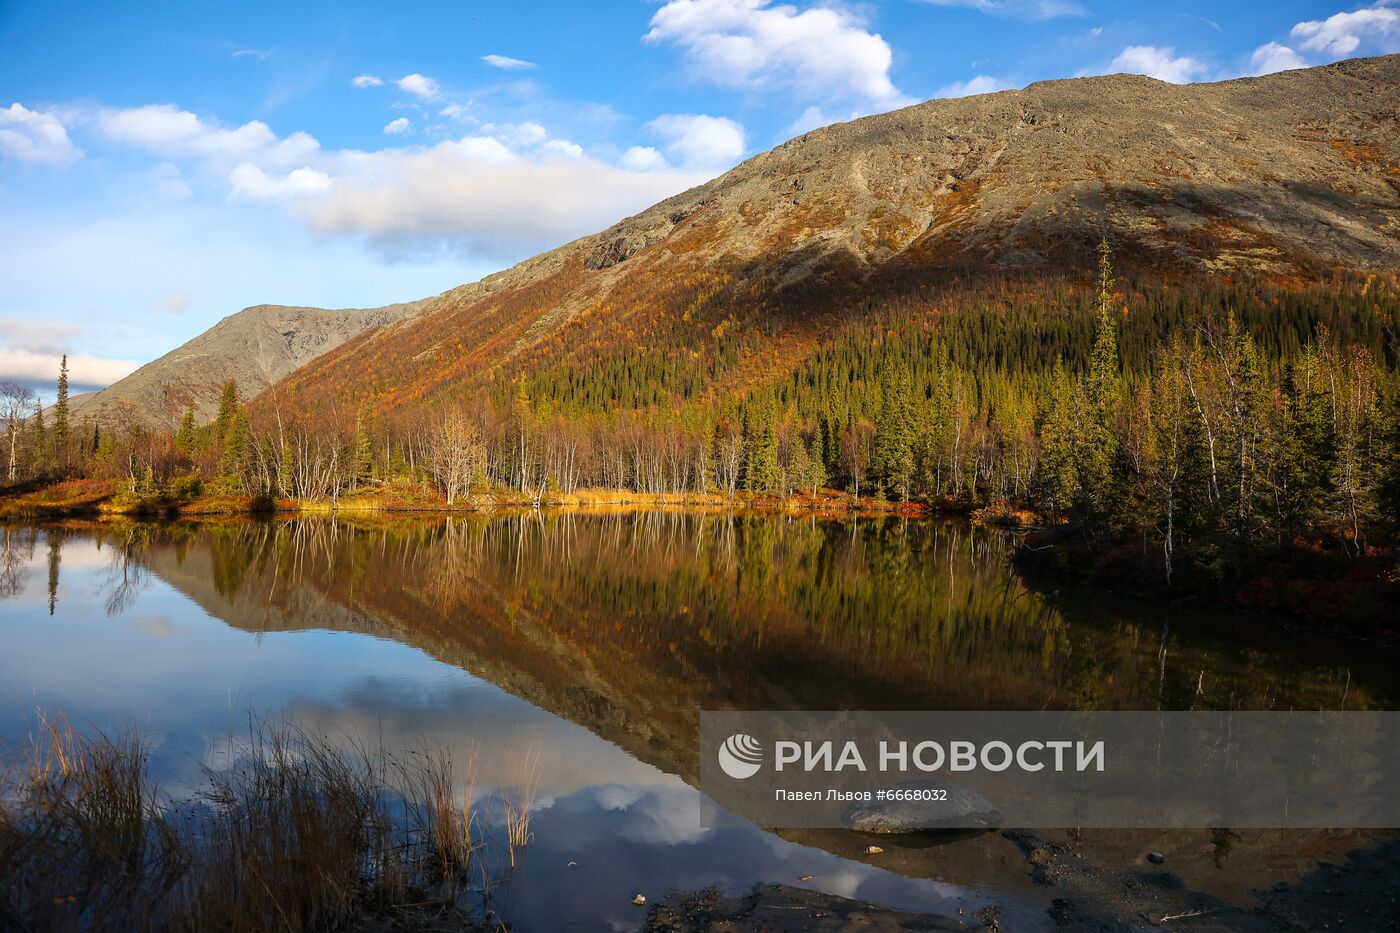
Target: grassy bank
(296,835)
(98,498)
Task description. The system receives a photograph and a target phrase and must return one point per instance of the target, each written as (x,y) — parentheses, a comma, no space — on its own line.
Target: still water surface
(588,643)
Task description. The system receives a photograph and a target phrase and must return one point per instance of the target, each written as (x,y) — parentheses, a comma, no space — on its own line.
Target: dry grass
(296,835)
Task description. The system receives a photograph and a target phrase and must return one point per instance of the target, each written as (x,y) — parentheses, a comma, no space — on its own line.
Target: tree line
(1225,431)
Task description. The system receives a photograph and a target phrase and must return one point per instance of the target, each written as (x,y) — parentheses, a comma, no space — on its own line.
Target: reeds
(297,834)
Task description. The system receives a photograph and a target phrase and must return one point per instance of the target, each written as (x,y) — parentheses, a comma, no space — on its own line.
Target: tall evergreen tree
(60,417)
(184,437)
(228,411)
(893,457)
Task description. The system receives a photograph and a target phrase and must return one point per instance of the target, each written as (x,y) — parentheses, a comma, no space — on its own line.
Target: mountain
(1291,177)
(255,347)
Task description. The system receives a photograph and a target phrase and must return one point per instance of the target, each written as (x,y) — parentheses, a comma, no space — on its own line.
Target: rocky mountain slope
(255,347)
(1293,175)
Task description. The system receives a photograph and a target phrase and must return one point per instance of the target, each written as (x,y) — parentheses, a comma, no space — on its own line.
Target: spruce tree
(60,417)
(1388,462)
(1097,444)
(894,433)
(228,411)
(1309,445)
(763,473)
(184,437)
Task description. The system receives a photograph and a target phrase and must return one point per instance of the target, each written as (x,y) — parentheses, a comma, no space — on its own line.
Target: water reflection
(594,640)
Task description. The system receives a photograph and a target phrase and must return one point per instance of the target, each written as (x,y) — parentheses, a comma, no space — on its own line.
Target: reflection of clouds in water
(159,627)
(843,882)
(499,734)
(666,816)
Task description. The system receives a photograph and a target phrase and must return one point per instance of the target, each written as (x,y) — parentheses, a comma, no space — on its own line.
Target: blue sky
(163,165)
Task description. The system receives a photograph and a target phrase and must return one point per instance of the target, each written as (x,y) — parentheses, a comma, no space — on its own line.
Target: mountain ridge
(1290,176)
(254,347)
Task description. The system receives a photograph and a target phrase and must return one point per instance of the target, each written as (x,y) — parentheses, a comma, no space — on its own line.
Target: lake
(579,648)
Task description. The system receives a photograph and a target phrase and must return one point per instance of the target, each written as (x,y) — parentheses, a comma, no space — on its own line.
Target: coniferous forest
(1205,428)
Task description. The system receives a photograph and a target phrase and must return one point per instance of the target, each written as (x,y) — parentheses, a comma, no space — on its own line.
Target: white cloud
(1159,62)
(981,84)
(1377,27)
(35,136)
(507,63)
(251,182)
(1271,57)
(398,127)
(823,52)
(169,132)
(1020,9)
(456,111)
(174,303)
(83,369)
(37,336)
(363,81)
(478,194)
(644,159)
(419,86)
(698,141)
(260,54)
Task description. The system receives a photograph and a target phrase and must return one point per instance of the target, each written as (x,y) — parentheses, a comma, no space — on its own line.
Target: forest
(1209,426)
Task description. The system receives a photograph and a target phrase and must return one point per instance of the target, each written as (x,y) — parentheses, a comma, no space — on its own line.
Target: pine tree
(763,473)
(39,439)
(234,456)
(1057,473)
(893,458)
(60,417)
(184,437)
(816,472)
(1309,445)
(1097,443)
(228,411)
(1388,461)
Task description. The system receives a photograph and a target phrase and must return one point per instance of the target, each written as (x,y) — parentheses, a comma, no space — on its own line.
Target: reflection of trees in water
(725,609)
(125,573)
(16,551)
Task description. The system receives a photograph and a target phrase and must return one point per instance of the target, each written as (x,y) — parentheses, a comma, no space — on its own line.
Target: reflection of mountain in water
(629,625)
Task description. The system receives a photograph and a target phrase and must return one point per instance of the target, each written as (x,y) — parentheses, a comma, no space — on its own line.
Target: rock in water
(963,809)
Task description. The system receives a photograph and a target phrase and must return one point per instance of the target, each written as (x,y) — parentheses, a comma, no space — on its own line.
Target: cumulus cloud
(83,369)
(35,136)
(419,86)
(1271,57)
(1159,62)
(169,132)
(644,159)
(174,303)
(49,337)
(364,81)
(981,84)
(1020,9)
(251,182)
(398,127)
(506,63)
(1376,27)
(698,141)
(479,194)
(820,52)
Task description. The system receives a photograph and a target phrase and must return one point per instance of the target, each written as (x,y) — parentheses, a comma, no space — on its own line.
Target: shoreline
(1298,586)
(102,499)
